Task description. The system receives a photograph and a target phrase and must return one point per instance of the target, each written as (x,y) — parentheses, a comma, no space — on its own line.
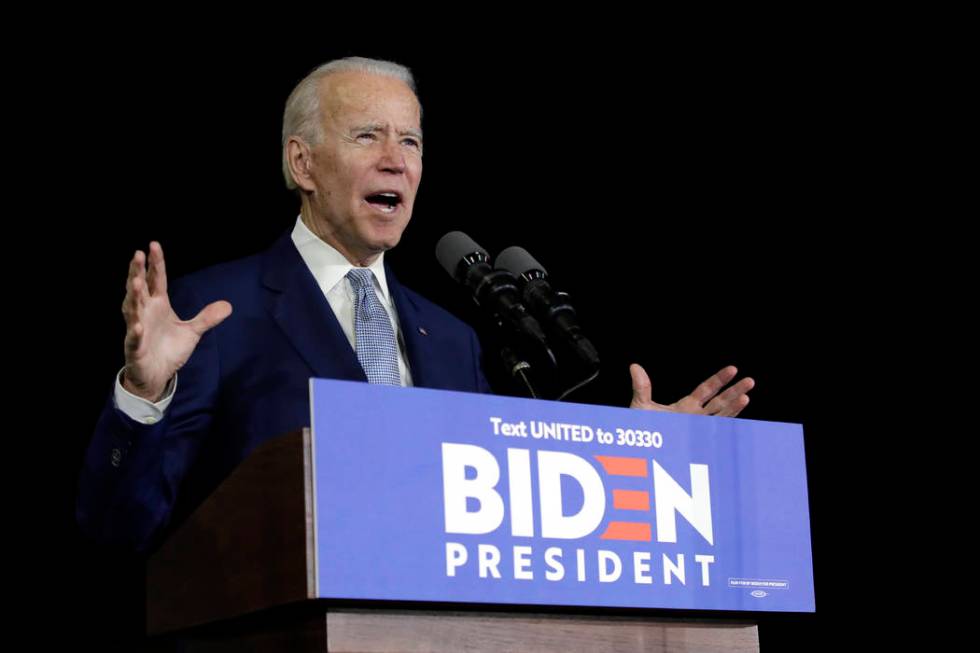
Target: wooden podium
(238,575)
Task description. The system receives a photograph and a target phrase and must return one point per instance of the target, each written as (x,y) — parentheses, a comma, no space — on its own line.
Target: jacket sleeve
(132,472)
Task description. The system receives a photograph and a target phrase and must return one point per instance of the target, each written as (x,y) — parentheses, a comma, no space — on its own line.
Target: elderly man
(196,396)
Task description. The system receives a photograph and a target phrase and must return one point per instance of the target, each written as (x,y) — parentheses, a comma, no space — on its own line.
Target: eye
(412,142)
(367,137)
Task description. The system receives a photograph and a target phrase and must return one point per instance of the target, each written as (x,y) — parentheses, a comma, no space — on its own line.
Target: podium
(425,520)
(238,576)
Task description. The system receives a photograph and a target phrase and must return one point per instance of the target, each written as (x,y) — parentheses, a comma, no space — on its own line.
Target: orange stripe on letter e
(627,530)
(619,466)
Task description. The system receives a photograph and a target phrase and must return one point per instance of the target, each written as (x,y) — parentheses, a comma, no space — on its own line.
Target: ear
(299,156)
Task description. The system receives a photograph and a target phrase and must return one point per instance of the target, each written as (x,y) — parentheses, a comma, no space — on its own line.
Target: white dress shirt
(329,268)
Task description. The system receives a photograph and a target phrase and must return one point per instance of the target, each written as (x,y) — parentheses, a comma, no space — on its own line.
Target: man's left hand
(704,400)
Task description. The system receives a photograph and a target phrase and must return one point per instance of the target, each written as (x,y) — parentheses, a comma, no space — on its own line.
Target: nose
(392,158)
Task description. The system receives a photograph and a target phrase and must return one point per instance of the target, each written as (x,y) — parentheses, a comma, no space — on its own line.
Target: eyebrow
(378,127)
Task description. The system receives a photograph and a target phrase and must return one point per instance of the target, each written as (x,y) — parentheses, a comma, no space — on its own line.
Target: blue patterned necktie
(374,338)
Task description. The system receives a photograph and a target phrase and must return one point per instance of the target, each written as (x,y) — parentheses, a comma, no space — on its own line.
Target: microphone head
(454,247)
(518,262)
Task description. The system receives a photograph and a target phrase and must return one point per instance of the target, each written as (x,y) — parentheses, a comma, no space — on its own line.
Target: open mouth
(386,201)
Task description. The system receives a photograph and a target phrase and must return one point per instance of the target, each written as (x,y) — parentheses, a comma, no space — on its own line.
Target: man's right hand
(158,343)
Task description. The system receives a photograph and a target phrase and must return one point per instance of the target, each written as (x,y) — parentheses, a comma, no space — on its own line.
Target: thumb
(641,385)
(210,316)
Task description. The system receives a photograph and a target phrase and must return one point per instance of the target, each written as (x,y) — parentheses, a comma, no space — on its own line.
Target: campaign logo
(474,505)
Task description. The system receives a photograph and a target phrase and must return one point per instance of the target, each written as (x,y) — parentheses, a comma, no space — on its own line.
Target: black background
(703,201)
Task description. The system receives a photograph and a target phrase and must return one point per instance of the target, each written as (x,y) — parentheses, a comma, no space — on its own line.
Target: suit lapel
(298,306)
(419,344)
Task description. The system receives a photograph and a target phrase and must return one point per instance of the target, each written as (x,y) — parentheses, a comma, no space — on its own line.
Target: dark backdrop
(698,203)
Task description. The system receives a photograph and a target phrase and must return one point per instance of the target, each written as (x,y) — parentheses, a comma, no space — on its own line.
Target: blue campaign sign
(430,495)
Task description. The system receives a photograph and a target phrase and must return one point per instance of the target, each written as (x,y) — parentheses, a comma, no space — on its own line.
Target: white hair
(302,115)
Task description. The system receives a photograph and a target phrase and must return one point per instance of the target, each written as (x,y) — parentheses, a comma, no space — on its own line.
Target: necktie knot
(360,279)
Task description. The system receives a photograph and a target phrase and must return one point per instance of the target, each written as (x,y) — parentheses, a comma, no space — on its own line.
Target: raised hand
(158,343)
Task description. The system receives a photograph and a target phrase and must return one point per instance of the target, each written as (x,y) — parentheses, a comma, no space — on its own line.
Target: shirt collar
(329,267)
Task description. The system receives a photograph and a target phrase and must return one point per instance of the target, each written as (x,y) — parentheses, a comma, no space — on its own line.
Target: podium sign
(428,495)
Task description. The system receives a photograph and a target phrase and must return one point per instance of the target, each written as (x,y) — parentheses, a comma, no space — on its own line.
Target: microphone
(494,290)
(548,305)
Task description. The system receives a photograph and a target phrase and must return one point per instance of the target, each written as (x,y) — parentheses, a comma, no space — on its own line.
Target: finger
(134,337)
(732,393)
(734,407)
(140,294)
(641,385)
(137,277)
(210,316)
(157,271)
(136,271)
(743,401)
(132,273)
(728,400)
(710,387)
(137,264)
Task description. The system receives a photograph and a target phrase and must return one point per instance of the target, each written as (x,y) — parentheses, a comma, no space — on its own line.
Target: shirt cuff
(139,409)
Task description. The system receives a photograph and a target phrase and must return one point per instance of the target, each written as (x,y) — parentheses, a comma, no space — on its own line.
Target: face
(364,174)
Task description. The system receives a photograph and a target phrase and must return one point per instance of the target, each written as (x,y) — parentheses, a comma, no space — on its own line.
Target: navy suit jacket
(247,381)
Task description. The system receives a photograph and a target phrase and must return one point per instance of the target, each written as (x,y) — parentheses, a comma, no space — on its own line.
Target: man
(352,149)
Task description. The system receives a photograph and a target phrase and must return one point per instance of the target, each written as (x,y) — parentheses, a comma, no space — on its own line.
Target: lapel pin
(423,331)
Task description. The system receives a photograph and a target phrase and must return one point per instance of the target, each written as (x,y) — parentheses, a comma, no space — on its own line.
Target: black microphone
(548,305)
(494,290)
